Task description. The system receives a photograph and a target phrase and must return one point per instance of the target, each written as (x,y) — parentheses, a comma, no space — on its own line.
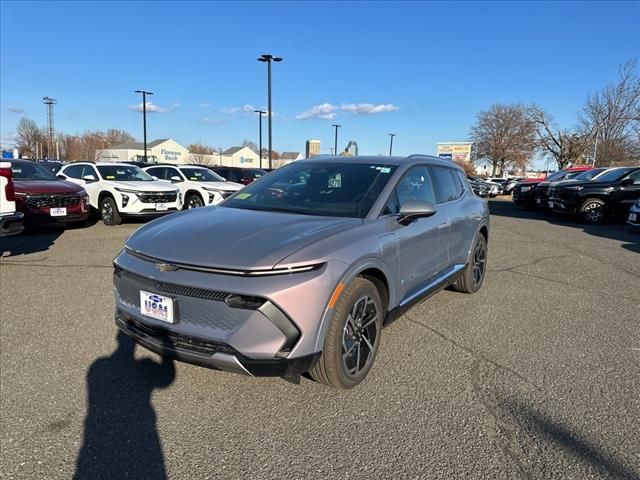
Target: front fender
(356,269)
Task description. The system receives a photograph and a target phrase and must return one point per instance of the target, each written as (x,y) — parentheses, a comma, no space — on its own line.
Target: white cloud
(205,105)
(324,111)
(368,108)
(211,121)
(15,109)
(153,108)
(243,109)
(328,111)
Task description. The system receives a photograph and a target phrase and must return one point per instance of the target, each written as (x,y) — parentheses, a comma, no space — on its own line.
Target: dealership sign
(458,151)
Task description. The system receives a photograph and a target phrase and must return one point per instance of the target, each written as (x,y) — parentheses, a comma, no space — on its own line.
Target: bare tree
(31,138)
(566,147)
(611,117)
(504,137)
(90,145)
(200,154)
(250,144)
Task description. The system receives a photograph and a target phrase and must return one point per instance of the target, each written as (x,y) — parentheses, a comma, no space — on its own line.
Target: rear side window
(448,186)
(636,177)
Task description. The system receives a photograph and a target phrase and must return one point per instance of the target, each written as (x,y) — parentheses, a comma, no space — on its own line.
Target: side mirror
(62,176)
(414,209)
(176,179)
(154,177)
(626,182)
(89,178)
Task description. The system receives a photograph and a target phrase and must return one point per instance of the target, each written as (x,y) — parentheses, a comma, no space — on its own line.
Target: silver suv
(299,271)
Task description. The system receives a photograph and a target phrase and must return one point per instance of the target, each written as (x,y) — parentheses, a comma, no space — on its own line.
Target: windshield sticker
(385,170)
(193,178)
(110,177)
(243,196)
(16,170)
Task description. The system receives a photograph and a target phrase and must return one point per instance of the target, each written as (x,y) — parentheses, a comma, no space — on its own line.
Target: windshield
(557,176)
(589,174)
(201,175)
(317,188)
(31,171)
(124,173)
(254,173)
(613,175)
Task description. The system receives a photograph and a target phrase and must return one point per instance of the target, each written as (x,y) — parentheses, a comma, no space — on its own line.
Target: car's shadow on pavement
(565,438)
(120,433)
(30,241)
(613,229)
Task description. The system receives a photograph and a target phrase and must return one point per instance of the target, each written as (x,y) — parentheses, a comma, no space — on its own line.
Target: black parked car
(237,174)
(542,190)
(611,194)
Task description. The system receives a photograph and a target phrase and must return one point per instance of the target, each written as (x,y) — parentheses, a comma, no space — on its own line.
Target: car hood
(233,238)
(155,186)
(45,186)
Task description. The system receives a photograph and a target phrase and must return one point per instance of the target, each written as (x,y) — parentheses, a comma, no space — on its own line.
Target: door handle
(444,225)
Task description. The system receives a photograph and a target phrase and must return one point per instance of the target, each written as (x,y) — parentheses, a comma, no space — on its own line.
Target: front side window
(31,171)
(448,188)
(636,177)
(613,175)
(88,170)
(124,173)
(317,188)
(415,184)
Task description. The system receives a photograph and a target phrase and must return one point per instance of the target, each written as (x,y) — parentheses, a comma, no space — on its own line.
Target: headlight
(525,189)
(209,189)
(135,192)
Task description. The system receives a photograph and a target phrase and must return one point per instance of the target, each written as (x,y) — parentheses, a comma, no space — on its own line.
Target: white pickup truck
(10,220)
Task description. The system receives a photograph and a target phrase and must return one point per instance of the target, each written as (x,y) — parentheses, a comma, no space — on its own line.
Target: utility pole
(49,102)
(260,113)
(391,145)
(335,143)
(144,119)
(268,58)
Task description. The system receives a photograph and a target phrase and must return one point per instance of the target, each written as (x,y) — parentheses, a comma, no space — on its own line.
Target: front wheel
(353,338)
(473,275)
(109,212)
(194,201)
(592,210)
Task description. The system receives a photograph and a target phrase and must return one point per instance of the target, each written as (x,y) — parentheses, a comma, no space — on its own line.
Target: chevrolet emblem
(166,267)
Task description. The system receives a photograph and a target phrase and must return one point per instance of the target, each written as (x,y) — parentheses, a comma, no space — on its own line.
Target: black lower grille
(226,194)
(56,200)
(158,197)
(176,340)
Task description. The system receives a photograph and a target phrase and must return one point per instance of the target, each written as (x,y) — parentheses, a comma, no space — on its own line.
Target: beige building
(313,148)
(240,157)
(164,150)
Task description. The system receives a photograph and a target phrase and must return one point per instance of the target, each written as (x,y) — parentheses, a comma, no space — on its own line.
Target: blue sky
(420,70)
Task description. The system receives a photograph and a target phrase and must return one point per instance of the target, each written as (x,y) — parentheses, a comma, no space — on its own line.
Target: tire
(355,328)
(193,200)
(592,210)
(109,212)
(473,275)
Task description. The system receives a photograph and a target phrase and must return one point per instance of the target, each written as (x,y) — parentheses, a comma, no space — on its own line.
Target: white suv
(120,190)
(10,219)
(199,185)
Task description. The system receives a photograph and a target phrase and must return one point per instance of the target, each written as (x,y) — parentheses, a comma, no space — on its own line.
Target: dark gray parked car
(299,271)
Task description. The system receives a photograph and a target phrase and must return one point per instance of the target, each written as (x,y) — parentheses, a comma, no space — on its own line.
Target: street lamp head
(265,57)
(261,112)
(337,126)
(143,91)
(277,59)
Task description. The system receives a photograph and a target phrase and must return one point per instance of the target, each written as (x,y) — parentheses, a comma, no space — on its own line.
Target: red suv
(45,199)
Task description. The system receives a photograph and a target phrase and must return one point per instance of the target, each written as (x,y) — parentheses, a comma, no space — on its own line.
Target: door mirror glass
(89,178)
(413,209)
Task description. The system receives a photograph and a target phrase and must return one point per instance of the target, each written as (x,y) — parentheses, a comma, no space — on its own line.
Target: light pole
(260,113)
(335,142)
(144,118)
(391,145)
(268,58)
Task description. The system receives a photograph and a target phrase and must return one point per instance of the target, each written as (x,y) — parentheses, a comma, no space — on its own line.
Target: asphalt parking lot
(536,376)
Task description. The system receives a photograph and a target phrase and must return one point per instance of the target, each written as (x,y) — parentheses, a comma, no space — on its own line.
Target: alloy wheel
(107,211)
(479,263)
(194,202)
(360,335)
(593,212)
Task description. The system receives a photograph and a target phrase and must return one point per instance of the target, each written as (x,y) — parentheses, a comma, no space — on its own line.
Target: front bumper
(209,354)
(564,203)
(286,326)
(525,197)
(149,213)
(634,217)
(11,224)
